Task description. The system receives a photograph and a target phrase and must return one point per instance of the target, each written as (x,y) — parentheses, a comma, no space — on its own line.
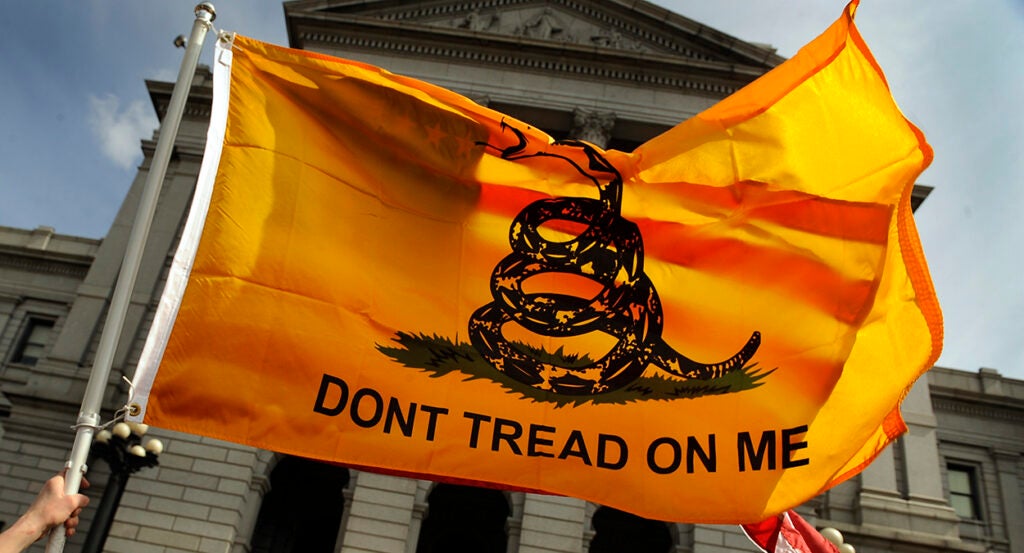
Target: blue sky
(73,107)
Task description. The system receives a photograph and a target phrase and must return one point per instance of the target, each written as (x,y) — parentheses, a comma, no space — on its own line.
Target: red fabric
(788,533)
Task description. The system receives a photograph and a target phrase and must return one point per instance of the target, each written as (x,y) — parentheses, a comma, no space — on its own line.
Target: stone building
(613,72)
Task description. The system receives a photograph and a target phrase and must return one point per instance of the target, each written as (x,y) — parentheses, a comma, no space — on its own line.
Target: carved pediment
(624,26)
(546,22)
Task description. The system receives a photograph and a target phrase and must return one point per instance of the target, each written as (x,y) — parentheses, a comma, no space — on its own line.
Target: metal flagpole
(92,401)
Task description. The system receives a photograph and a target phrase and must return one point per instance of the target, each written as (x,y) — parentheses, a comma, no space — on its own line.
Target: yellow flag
(712,328)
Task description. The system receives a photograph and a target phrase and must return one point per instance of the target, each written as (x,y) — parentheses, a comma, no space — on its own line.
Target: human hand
(51,508)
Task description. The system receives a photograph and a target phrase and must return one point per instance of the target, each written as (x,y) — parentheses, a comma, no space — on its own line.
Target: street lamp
(836,537)
(121,447)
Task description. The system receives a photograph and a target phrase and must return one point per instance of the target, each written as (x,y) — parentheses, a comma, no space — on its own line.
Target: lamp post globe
(121,447)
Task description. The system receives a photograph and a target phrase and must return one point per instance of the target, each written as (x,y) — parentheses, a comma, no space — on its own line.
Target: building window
(33,342)
(963,490)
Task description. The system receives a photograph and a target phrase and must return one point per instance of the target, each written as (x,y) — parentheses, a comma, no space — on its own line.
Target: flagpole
(92,401)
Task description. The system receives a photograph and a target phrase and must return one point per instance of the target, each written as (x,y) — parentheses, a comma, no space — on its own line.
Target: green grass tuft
(440,356)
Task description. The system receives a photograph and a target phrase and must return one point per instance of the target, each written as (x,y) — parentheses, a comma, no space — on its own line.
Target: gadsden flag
(712,328)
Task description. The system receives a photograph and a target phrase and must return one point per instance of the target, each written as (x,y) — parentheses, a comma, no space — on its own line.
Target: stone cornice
(48,264)
(196,108)
(977,405)
(696,77)
(200,96)
(183,149)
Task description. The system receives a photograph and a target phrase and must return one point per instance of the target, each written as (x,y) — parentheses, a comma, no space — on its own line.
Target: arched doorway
(616,531)
(463,519)
(302,511)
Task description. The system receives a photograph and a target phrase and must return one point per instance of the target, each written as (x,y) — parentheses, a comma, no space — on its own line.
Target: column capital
(593,126)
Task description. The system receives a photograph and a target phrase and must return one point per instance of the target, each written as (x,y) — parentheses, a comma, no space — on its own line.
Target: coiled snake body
(609,252)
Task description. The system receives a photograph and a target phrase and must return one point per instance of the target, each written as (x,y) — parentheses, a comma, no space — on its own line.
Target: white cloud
(119,131)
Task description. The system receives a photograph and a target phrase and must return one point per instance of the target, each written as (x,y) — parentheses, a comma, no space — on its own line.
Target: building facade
(612,72)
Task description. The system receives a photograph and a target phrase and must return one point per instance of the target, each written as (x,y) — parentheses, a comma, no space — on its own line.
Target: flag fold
(788,533)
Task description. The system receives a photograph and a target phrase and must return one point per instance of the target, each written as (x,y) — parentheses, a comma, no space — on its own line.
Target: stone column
(7,305)
(924,474)
(347,494)
(879,477)
(552,523)
(594,127)
(588,525)
(419,512)
(258,488)
(380,514)
(514,527)
(85,318)
(924,510)
(682,535)
(879,490)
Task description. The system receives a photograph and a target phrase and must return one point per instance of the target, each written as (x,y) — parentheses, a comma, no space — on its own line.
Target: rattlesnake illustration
(609,252)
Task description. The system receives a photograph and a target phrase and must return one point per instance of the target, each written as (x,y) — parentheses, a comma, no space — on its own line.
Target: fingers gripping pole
(88,417)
